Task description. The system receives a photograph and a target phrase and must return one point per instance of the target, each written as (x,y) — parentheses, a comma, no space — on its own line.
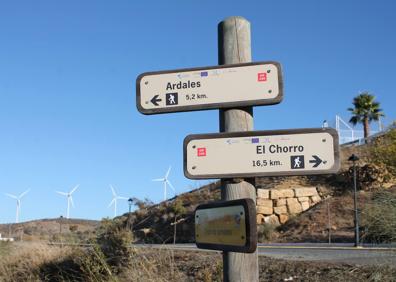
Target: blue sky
(67,87)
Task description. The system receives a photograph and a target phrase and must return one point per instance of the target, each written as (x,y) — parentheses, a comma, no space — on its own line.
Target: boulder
(260,219)
(305,191)
(303,199)
(264,203)
(280,202)
(293,206)
(263,193)
(290,201)
(272,219)
(315,199)
(283,218)
(280,210)
(281,193)
(305,206)
(264,210)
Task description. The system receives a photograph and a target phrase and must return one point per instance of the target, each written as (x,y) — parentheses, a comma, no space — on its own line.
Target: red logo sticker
(201,152)
(262,76)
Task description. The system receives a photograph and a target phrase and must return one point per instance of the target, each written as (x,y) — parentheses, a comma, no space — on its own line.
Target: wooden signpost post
(237,153)
(235,47)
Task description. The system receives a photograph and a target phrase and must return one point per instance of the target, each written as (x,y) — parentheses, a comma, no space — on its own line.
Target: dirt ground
(208,267)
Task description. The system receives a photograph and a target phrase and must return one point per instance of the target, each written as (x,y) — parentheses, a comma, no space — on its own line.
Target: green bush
(79,265)
(384,151)
(265,232)
(379,218)
(115,242)
(177,207)
(4,248)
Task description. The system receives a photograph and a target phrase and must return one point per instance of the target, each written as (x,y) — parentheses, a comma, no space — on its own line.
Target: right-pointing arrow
(316,161)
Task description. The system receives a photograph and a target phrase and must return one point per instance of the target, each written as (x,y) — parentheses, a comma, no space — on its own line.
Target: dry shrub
(379,218)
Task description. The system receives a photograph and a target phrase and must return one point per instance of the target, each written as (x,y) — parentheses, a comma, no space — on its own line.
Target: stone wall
(276,205)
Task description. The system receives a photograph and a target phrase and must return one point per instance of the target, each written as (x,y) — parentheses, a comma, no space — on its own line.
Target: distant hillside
(154,224)
(50,229)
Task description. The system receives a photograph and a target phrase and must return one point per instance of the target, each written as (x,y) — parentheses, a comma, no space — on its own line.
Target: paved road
(345,253)
(352,255)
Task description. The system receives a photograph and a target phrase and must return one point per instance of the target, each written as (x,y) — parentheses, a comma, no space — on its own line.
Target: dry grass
(40,262)
(23,261)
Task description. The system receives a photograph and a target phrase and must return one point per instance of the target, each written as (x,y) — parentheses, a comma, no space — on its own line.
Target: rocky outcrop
(275,206)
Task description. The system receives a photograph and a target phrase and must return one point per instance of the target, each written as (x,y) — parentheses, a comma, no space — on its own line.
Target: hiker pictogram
(297,162)
(171,99)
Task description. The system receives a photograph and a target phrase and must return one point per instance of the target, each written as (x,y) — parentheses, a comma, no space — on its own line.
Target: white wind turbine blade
(23,194)
(11,196)
(111,203)
(171,186)
(62,193)
(113,191)
(167,173)
(122,198)
(74,189)
(158,179)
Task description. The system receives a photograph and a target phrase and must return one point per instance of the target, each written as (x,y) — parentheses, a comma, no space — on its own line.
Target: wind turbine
(69,198)
(114,200)
(18,203)
(166,182)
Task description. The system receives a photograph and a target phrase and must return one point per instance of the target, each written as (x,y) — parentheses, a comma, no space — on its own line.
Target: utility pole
(60,229)
(234,46)
(128,224)
(174,230)
(354,159)
(328,220)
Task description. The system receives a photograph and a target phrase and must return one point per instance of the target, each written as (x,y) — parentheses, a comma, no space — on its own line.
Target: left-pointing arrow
(155,100)
(316,161)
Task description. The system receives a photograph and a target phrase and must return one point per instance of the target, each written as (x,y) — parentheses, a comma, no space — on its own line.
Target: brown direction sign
(249,84)
(227,226)
(261,153)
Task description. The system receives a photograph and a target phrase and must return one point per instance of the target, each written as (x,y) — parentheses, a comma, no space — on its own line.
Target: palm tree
(365,110)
